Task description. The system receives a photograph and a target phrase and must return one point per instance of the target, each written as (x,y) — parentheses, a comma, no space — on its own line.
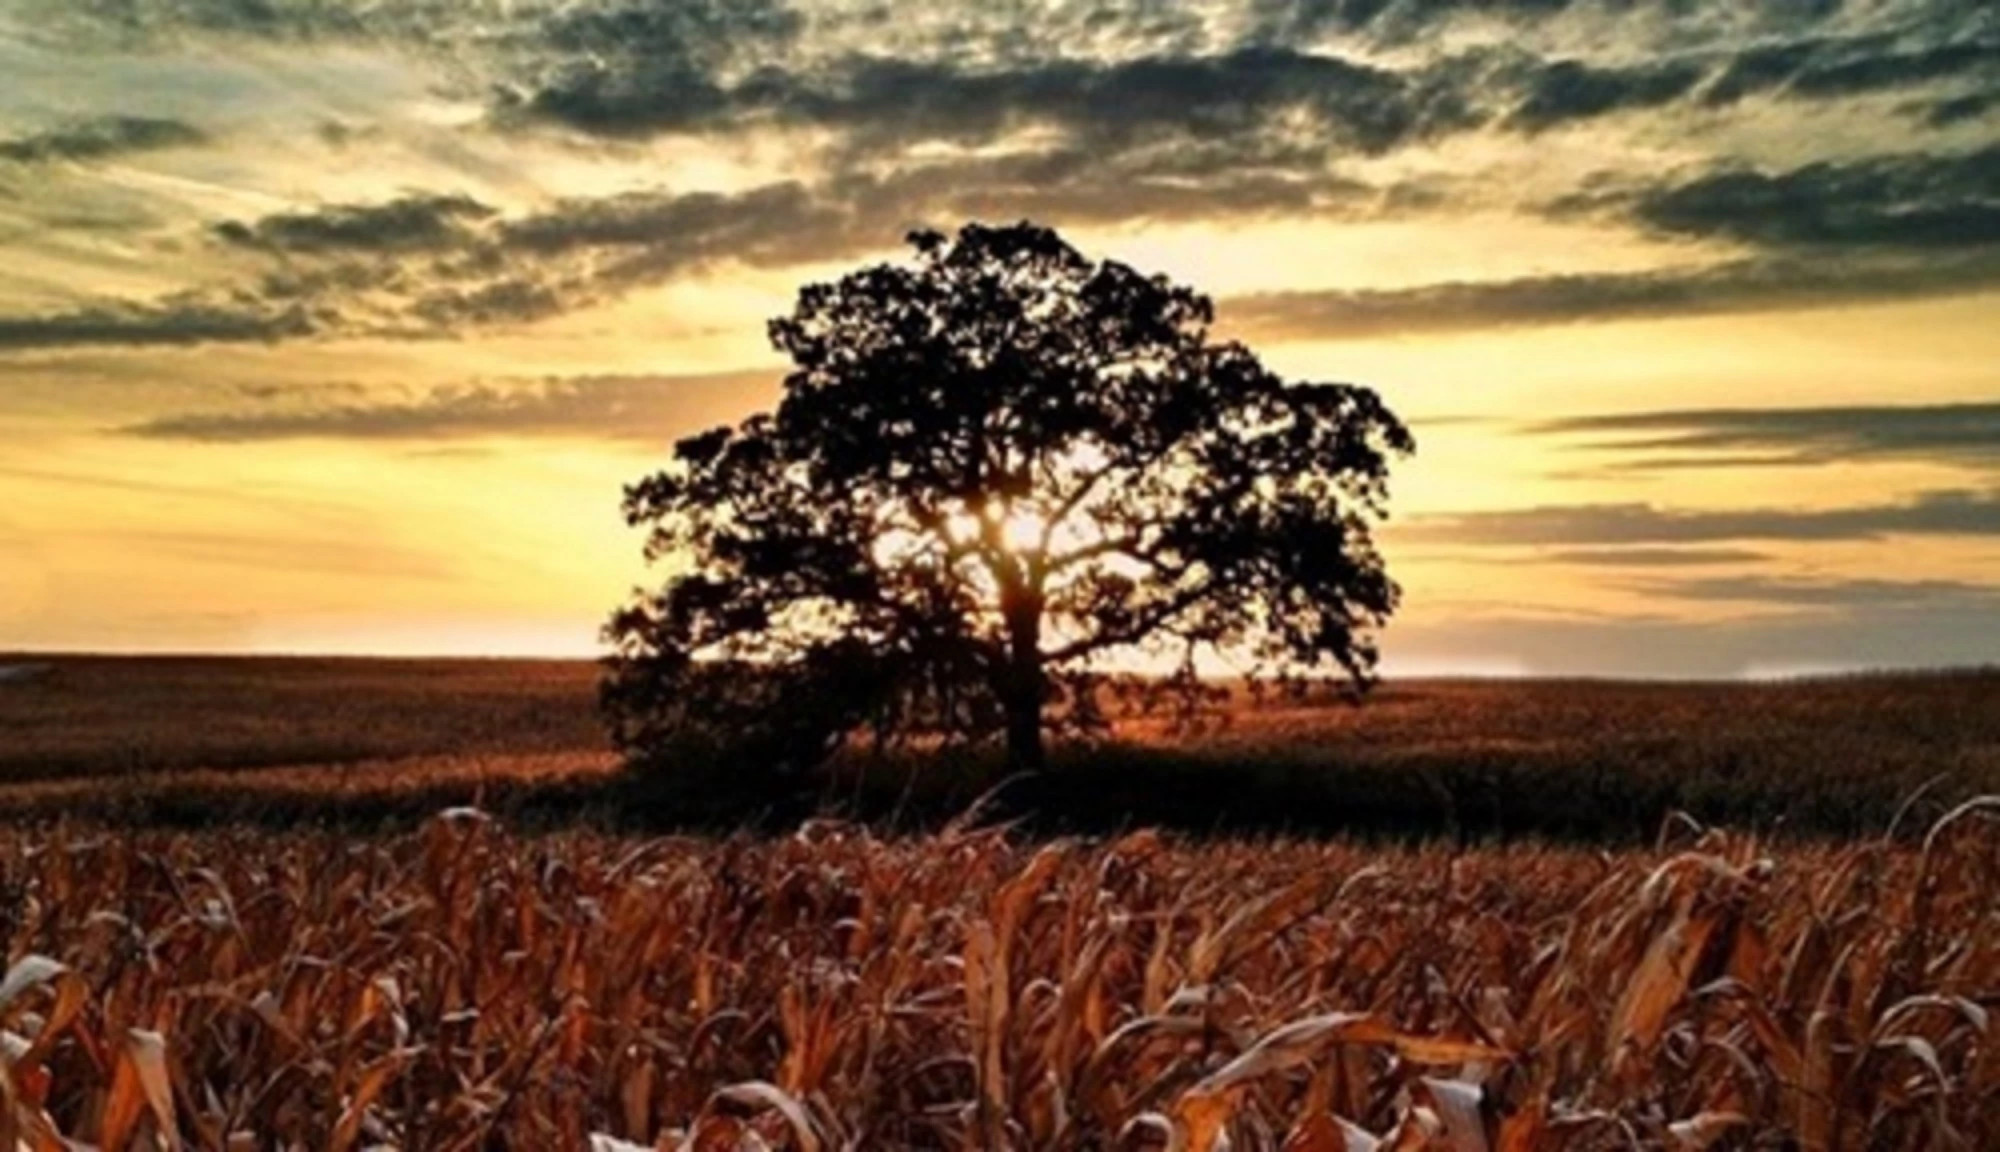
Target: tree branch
(1138,629)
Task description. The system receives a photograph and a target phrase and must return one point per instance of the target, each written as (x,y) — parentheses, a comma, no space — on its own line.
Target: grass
(460,987)
(193,741)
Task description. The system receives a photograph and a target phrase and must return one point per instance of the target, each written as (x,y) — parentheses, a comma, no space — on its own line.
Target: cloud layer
(437,264)
(99,138)
(642,409)
(1235,111)
(1950,512)
(1966,434)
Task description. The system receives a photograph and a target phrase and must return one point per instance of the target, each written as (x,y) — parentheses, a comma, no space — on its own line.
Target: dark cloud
(436,264)
(1258,92)
(395,274)
(148,22)
(1943,513)
(400,299)
(1856,593)
(424,266)
(99,138)
(885,105)
(645,237)
(1288,21)
(1182,184)
(787,223)
(594,62)
(340,134)
(431,266)
(1742,286)
(1961,109)
(419,266)
(1398,21)
(410,223)
(1801,67)
(646,409)
(1945,433)
(1834,66)
(643,67)
(1280,80)
(1903,226)
(1911,201)
(698,33)
(706,221)
(1870,72)
(176,321)
(1653,557)
(1104,75)
(1567,90)
(508,300)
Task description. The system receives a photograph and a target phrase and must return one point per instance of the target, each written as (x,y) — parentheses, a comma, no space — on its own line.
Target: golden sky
(337,325)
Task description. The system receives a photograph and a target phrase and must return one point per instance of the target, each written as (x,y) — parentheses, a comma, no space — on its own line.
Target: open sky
(337,325)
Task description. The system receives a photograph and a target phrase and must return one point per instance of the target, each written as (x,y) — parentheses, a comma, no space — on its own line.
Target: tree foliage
(997,472)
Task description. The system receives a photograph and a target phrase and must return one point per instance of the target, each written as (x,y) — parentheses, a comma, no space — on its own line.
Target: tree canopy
(998,472)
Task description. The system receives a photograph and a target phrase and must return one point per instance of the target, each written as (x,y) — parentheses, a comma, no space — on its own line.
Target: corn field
(461,987)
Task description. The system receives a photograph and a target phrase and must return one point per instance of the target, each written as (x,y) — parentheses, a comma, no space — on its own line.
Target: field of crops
(109,718)
(462,987)
(192,741)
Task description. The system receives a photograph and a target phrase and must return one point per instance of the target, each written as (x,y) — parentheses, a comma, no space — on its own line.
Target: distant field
(183,737)
(108,716)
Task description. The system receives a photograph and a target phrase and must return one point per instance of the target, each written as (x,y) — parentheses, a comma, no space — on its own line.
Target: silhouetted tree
(994,472)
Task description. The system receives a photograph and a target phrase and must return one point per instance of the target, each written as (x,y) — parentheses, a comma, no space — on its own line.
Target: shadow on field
(1463,795)
(1601,762)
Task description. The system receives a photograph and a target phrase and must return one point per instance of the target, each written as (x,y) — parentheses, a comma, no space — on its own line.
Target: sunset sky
(337,325)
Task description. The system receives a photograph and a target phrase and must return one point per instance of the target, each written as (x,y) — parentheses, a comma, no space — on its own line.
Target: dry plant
(465,988)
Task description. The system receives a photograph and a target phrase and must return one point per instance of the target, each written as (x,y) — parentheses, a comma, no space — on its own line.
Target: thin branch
(1138,629)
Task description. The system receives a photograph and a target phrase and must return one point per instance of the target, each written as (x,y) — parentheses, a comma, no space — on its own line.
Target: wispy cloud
(1844,65)
(99,138)
(1194,80)
(1644,557)
(1941,513)
(1899,227)
(890,104)
(1964,434)
(642,409)
(436,264)
(173,322)
(1912,201)
(412,223)
(1760,284)
(1831,594)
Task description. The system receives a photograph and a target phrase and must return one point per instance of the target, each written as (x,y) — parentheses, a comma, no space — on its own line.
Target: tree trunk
(1024,731)
(1024,688)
